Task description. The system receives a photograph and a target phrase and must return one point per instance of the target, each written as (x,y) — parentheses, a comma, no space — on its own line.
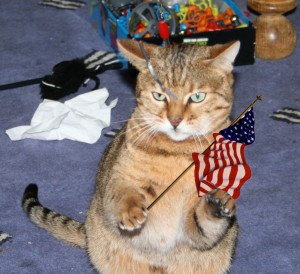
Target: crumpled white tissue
(79,119)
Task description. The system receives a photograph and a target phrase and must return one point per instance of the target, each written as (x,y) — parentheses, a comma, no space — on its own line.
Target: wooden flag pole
(258,98)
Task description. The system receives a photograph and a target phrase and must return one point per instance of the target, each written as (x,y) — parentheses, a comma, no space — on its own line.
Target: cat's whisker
(132,119)
(198,148)
(141,137)
(145,121)
(124,133)
(141,127)
(147,129)
(140,132)
(207,139)
(151,134)
(200,142)
(132,128)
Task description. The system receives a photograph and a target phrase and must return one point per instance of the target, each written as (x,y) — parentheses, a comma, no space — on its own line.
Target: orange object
(219,17)
(202,20)
(227,21)
(229,12)
(192,8)
(208,12)
(140,30)
(201,29)
(190,24)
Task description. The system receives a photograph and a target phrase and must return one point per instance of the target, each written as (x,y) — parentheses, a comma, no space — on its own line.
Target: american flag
(224,165)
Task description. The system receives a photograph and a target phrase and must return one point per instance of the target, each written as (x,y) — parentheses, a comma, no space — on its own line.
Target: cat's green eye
(159,96)
(197,97)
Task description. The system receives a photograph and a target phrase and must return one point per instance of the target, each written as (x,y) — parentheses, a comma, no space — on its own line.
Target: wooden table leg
(275,35)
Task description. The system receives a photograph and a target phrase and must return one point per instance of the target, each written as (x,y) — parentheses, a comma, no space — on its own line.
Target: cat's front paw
(220,203)
(132,213)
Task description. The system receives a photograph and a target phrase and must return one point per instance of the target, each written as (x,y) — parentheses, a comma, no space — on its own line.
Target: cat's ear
(223,56)
(131,50)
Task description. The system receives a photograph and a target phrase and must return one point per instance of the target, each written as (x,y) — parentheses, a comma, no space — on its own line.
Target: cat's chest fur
(164,228)
(155,170)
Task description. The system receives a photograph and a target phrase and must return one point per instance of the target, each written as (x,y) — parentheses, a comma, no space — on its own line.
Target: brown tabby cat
(181,233)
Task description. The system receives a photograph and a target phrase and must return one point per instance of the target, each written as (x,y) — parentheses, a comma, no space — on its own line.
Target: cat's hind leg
(212,228)
(210,220)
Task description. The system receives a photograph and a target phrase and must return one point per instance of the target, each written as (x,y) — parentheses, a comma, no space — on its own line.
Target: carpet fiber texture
(33,39)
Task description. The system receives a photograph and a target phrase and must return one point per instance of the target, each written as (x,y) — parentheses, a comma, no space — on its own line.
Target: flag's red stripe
(221,171)
(235,150)
(246,177)
(232,177)
(227,182)
(206,163)
(242,149)
(211,162)
(247,173)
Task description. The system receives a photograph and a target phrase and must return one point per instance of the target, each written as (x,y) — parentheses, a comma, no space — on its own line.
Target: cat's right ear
(131,50)
(223,56)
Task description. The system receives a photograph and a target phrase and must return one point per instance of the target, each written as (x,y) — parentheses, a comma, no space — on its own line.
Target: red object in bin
(163,29)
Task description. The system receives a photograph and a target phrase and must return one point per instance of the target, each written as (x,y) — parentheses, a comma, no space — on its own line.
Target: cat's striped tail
(60,226)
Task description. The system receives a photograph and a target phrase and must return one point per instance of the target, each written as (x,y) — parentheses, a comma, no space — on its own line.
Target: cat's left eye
(197,97)
(159,96)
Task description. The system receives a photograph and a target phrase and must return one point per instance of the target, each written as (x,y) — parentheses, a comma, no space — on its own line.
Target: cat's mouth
(177,134)
(174,133)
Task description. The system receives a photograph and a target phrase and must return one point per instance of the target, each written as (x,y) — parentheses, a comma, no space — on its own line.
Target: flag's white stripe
(226,156)
(230,191)
(211,165)
(226,174)
(219,153)
(205,186)
(201,193)
(218,146)
(233,147)
(239,153)
(231,153)
(240,175)
(215,168)
(215,176)
(201,166)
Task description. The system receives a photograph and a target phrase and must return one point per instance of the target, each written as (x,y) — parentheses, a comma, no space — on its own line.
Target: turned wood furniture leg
(275,35)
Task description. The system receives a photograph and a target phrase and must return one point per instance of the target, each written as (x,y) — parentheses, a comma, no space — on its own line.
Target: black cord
(21,84)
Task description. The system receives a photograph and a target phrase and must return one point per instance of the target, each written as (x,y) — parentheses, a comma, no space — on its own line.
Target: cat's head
(201,79)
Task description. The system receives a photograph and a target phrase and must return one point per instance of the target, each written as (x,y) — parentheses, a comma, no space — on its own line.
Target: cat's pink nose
(175,120)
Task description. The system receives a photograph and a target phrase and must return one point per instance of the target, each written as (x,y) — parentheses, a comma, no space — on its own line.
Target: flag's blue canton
(242,131)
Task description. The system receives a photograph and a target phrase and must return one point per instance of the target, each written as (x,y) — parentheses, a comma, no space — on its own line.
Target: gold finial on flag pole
(258,98)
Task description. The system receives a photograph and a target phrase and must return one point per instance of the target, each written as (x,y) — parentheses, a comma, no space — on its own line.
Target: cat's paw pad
(132,215)
(220,203)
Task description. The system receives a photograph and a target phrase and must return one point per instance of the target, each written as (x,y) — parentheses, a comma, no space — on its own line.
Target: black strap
(21,84)
(117,65)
